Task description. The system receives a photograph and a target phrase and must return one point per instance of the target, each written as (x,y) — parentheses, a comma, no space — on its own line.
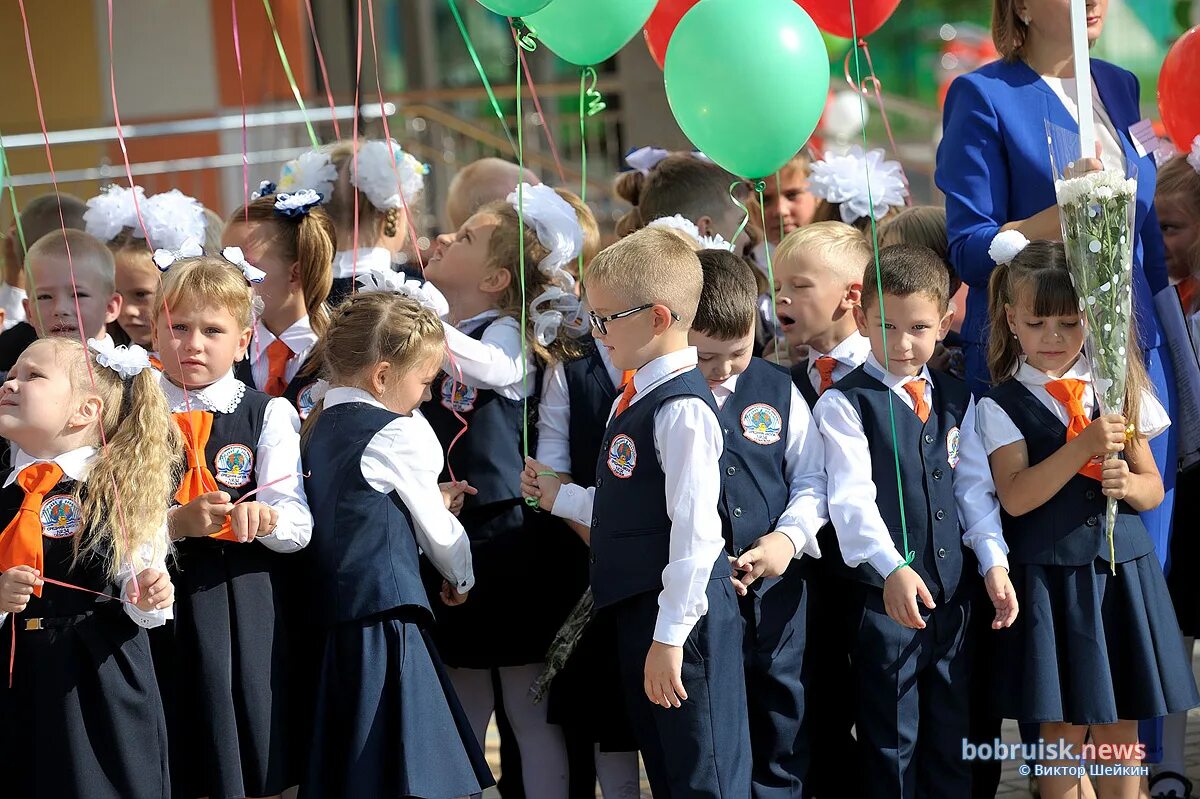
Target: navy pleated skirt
(1091,647)
(387,720)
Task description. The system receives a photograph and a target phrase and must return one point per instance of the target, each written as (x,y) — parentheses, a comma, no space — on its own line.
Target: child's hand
(203,516)
(155,591)
(769,557)
(450,595)
(454,494)
(664,683)
(1105,435)
(735,578)
(16,586)
(900,592)
(540,481)
(249,520)
(1116,477)
(1004,598)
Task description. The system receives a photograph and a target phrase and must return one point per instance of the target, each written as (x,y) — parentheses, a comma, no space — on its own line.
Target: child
(787,204)
(857,186)
(772,507)
(659,571)
(46,213)
(290,239)
(1177,202)
(1095,650)
(481,182)
(937,504)
(85,717)
(489,381)
(231,665)
(72,286)
(388,722)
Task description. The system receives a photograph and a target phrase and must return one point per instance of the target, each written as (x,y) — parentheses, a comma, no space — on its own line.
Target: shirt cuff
(990,553)
(803,543)
(886,561)
(671,632)
(146,618)
(570,502)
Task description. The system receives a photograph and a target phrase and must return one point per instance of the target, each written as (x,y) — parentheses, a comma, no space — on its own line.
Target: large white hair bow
(236,257)
(689,228)
(643,159)
(113,210)
(556,224)
(312,170)
(172,218)
(165,258)
(844,179)
(387,183)
(399,283)
(127,361)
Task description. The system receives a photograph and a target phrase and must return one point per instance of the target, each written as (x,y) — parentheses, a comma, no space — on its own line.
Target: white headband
(844,179)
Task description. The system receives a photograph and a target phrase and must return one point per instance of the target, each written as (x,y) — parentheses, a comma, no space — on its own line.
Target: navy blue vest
(755,421)
(631,531)
(298,391)
(803,384)
(1067,530)
(363,549)
(591,395)
(926,452)
(232,450)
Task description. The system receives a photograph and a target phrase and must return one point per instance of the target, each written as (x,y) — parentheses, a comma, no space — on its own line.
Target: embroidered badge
(622,456)
(952,447)
(761,423)
(235,465)
(61,517)
(305,401)
(457,396)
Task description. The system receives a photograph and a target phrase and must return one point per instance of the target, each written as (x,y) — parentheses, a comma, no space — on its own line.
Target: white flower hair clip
(388,184)
(689,228)
(844,179)
(643,159)
(562,310)
(113,210)
(172,218)
(557,227)
(236,257)
(125,360)
(296,204)
(164,258)
(398,283)
(1006,246)
(1194,156)
(311,170)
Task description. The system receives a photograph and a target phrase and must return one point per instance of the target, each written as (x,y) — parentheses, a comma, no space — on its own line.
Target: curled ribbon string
(237,55)
(866,85)
(591,102)
(312,27)
(595,100)
(909,555)
(759,186)
(291,79)
(526,37)
(537,104)
(745,211)
(455,381)
(487,85)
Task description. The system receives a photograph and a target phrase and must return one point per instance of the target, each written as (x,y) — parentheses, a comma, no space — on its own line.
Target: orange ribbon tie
(626,394)
(825,366)
(196,427)
(21,540)
(916,390)
(278,355)
(1069,393)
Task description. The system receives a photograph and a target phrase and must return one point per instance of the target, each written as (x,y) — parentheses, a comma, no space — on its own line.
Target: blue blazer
(993,165)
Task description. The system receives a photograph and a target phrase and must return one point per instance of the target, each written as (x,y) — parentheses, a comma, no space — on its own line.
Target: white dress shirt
(554,414)
(351,263)
(300,339)
(276,456)
(406,458)
(850,354)
(76,464)
(861,531)
(494,362)
(997,430)
(804,471)
(688,442)
(11,300)
(1112,154)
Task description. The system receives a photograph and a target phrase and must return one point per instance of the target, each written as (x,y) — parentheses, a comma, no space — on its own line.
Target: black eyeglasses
(600,323)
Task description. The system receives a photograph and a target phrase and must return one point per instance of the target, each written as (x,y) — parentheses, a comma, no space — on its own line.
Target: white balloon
(843,117)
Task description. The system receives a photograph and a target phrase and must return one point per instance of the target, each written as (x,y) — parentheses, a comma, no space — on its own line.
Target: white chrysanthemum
(113,210)
(386,185)
(1006,245)
(1194,155)
(172,218)
(311,170)
(1102,186)
(844,179)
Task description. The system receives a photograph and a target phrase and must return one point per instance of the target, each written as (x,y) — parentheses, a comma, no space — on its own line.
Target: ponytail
(1004,351)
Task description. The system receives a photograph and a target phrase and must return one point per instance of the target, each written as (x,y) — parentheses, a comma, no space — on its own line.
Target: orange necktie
(1069,393)
(626,395)
(196,427)
(21,541)
(825,366)
(278,355)
(916,390)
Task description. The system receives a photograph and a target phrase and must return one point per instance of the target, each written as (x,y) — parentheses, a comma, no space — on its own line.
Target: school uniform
(1089,647)
(83,717)
(913,684)
(660,572)
(387,720)
(296,377)
(230,665)
(13,341)
(774,480)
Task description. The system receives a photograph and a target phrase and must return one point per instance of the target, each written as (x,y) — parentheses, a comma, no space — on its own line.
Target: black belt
(54,622)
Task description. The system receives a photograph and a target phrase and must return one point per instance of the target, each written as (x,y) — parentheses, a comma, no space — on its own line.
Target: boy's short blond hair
(651,265)
(88,255)
(841,248)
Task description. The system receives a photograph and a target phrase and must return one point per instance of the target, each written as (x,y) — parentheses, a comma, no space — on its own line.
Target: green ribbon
(591,102)
(758,187)
(532,502)
(6,180)
(525,35)
(287,70)
(487,85)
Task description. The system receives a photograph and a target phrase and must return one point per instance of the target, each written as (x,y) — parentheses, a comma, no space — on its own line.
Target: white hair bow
(388,175)
(164,258)
(126,361)
(689,228)
(236,257)
(1006,246)
(556,224)
(562,311)
(172,218)
(311,170)
(113,210)
(400,284)
(643,159)
(863,184)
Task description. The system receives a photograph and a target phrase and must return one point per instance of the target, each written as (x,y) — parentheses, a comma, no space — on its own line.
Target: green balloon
(587,32)
(747,81)
(514,8)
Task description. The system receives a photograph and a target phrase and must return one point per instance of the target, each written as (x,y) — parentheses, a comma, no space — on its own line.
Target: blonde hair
(373,224)
(307,239)
(839,247)
(134,476)
(86,252)
(1039,275)
(679,184)
(1008,29)
(206,282)
(655,266)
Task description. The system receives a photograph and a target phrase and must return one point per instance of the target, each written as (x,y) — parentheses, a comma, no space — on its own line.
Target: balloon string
(291,79)
(6,180)
(861,88)
(487,85)
(758,187)
(586,103)
(909,555)
(456,369)
(237,54)
(745,211)
(525,37)
(354,148)
(312,27)
(521,263)
(537,104)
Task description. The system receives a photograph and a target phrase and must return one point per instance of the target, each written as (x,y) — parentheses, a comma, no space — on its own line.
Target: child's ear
(378,378)
(860,319)
(1010,318)
(496,281)
(294,273)
(944,326)
(113,309)
(662,319)
(852,297)
(87,413)
(243,345)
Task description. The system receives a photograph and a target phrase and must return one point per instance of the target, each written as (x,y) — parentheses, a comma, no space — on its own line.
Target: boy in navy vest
(916,513)
(772,507)
(658,565)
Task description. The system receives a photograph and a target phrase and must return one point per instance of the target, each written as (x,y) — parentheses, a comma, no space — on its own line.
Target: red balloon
(1177,89)
(661,25)
(833,16)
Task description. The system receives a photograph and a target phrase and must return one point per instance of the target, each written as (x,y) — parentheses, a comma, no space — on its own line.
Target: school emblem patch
(761,423)
(622,456)
(952,456)
(305,401)
(235,465)
(458,397)
(61,517)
